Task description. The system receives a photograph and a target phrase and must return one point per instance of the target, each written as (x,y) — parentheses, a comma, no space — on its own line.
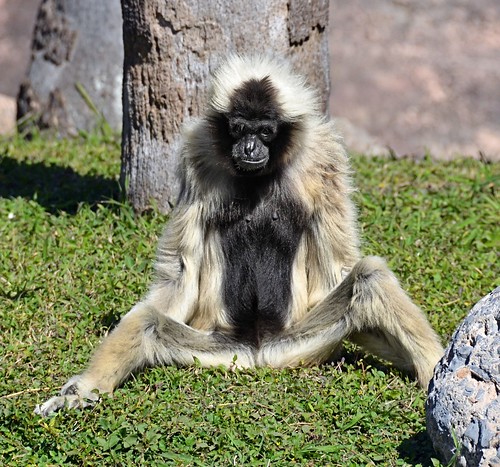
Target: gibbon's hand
(73,395)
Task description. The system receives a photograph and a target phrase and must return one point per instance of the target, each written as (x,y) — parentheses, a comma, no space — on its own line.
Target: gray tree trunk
(76,69)
(170,50)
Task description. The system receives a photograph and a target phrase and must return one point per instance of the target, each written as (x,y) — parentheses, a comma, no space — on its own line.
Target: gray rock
(463,407)
(76,67)
(358,140)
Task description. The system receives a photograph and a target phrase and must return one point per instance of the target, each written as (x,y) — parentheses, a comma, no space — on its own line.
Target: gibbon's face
(257,136)
(252,137)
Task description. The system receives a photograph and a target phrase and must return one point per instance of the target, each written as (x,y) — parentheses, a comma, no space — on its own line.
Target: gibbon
(260,263)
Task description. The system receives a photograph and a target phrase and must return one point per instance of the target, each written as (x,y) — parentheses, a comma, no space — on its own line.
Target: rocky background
(17,19)
(408,76)
(419,74)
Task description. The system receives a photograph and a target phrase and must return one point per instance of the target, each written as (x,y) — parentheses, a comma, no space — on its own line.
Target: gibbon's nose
(249,144)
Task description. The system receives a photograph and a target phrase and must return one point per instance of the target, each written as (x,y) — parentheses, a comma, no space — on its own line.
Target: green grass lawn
(73,259)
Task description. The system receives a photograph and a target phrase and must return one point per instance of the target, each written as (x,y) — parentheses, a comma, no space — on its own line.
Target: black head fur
(255,99)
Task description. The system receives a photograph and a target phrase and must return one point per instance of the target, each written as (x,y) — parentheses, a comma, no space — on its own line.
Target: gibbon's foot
(73,396)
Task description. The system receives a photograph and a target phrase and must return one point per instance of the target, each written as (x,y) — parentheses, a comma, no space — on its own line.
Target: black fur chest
(259,244)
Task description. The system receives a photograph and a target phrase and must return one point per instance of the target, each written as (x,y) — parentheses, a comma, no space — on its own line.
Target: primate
(260,263)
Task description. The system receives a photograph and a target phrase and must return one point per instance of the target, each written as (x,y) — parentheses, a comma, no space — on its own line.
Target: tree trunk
(75,75)
(170,50)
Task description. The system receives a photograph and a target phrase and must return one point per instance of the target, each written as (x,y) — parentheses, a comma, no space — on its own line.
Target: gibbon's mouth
(250,165)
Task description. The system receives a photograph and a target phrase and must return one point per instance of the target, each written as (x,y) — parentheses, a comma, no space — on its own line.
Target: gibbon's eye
(266,132)
(237,129)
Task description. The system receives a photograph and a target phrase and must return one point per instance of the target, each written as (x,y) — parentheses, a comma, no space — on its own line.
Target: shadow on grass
(417,450)
(54,187)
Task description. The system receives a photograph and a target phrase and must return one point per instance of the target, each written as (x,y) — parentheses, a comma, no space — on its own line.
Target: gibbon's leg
(370,308)
(144,337)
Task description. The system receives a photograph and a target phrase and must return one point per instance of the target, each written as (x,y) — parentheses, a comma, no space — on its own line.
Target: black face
(251,142)
(252,135)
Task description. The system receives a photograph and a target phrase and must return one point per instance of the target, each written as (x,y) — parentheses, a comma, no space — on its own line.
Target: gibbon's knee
(369,272)
(371,282)
(378,301)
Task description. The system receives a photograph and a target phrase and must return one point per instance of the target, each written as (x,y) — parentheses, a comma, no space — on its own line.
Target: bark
(170,50)
(75,75)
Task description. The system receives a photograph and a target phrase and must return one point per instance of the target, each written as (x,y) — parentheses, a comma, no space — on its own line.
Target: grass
(73,259)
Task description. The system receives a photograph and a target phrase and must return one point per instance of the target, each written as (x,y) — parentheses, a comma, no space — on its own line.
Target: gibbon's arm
(332,238)
(174,291)
(135,341)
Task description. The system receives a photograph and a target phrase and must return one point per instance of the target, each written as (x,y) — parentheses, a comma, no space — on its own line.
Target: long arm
(130,346)
(332,237)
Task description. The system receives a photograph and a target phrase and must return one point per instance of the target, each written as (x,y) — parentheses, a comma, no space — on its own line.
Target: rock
(74,80)
(358,140)
(464,400)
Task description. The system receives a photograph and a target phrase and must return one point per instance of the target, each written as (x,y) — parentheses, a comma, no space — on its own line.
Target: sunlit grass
(73,258)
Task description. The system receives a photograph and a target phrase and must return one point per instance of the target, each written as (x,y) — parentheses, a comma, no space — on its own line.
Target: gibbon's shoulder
(326,146)
(323,170)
